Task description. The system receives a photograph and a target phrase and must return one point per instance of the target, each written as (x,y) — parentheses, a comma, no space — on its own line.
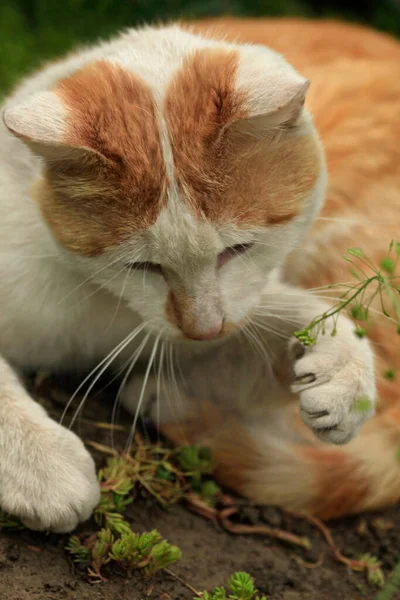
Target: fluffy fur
(157,196)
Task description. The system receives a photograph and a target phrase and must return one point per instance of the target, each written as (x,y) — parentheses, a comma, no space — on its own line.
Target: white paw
(48,478)
(335,381)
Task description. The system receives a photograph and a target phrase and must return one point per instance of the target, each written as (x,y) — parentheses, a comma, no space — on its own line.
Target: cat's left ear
(271,88)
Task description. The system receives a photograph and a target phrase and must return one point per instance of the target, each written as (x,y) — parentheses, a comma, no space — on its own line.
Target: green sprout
(362,405)
(375,574)
(392,588)
(357,298)
(390,374)
(241,587)
(9,522)
(166,474)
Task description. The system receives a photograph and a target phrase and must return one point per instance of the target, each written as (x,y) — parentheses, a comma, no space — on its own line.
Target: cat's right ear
(41,122)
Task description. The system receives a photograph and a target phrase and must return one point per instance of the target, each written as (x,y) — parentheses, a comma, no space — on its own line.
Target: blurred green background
(35,30)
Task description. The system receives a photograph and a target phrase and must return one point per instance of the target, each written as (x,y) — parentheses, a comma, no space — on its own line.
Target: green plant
(164,473)
(168,475)
(391,591)
(371,282)
(9,522)
(372,566)
(240,587)
(129,550)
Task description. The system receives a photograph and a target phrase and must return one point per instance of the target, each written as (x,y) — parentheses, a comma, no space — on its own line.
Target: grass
(109,545)
(392,587)
(167,475)
(371,282)
(33,31)
(240,587)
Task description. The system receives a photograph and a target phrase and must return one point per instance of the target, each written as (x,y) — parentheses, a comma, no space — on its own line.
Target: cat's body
(170,149)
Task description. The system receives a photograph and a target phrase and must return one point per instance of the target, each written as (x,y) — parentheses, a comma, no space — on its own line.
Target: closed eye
(233,251)
(144,266)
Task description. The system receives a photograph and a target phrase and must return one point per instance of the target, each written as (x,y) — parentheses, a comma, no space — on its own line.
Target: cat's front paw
(48,479)
(335,382)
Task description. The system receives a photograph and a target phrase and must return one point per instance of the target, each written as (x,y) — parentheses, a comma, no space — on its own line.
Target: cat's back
(306,41)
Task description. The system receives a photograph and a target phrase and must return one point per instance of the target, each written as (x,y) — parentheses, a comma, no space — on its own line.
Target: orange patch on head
(111,181)
(223,173)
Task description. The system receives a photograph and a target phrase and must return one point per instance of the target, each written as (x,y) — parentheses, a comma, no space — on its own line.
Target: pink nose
(205,335)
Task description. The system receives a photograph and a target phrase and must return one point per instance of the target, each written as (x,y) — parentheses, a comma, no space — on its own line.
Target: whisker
(146,377)
(174,380)
(158,392)
(106,361)
(356,220)
(75,289)
(176,415)
(257,345)
(270,329)
(132,362)
(113,262)
(119,302)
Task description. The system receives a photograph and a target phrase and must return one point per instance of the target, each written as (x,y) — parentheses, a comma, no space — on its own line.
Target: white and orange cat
(159,201)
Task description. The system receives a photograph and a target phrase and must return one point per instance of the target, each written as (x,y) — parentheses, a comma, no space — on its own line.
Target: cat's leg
(47,477)
(334,378)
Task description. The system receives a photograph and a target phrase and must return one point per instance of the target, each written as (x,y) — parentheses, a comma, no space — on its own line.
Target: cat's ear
(41,122)
(274,93)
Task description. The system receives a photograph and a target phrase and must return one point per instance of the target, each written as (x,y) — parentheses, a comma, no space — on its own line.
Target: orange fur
(354,96)
(222,174)
(112,169)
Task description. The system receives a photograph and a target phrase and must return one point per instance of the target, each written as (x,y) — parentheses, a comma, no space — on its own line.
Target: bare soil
(36,567)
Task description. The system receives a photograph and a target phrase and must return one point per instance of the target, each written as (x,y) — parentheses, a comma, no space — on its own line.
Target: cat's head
(178,172)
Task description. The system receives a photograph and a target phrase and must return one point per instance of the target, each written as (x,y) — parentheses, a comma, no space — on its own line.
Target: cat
(161,201)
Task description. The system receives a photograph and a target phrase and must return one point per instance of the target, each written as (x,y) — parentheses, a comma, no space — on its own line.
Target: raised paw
(48,479)
(335,382)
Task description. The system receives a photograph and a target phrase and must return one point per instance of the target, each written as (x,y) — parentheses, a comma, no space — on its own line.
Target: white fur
(62,312)
(42,119)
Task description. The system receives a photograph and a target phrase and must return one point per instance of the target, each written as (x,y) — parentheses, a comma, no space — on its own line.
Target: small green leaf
(391,246)
(397,248)
(375,574)
(388,265)
(360,332)
(356,312)
(209,491)
(355,273)
(357,252)
(390,374)
(305,337)
(242,585)
(363,405)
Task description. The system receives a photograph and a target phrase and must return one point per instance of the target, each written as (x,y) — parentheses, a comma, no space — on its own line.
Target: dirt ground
(36,566)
